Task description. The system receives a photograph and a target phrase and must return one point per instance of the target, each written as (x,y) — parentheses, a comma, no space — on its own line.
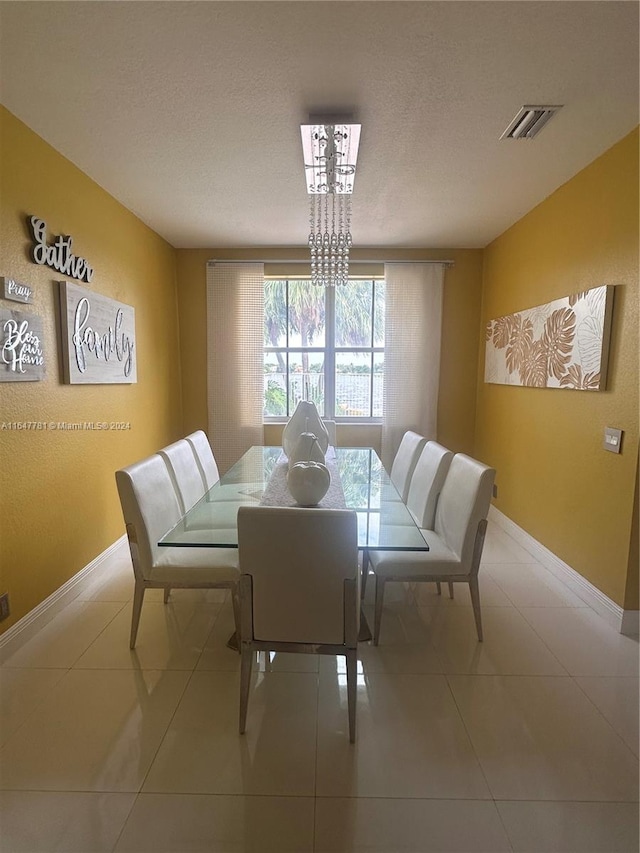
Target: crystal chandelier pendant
(330,152)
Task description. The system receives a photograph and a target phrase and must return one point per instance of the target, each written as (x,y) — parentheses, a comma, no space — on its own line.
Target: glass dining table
(359,482)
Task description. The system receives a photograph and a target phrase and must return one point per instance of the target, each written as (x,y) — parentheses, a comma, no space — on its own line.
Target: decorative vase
(308,482)
(304,419)
(306,449)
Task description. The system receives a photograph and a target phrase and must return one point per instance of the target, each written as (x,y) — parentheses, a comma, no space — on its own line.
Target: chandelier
(330,150)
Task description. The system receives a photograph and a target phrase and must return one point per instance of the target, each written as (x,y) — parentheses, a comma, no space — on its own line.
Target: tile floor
(527,742)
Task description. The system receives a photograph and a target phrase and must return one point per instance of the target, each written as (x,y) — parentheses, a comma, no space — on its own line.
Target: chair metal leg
(378,609)
(439,587)
(235,601)
(474,589)
(138,597)
(352,675)
(246,661)
(450,589)
(167,593)
(365,572)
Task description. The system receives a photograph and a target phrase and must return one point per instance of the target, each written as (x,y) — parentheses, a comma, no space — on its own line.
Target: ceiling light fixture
(529,122)
(330,150)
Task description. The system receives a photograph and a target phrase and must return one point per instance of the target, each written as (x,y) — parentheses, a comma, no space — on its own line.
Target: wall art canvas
(562,344)
(98,337)
(22,352)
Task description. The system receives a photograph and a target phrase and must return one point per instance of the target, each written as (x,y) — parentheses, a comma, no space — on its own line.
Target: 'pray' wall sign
(15,290)
(58,255)
(99,336)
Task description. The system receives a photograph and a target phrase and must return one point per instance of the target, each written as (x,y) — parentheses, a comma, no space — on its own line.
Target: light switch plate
(612,439)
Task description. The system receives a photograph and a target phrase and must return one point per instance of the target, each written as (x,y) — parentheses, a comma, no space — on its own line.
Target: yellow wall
(59,506)
(460,335)
(554,479)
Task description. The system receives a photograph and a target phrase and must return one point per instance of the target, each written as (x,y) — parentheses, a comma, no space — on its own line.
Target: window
(324,345)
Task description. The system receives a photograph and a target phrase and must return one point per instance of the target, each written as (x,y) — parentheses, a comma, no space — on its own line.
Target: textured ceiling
(189,112)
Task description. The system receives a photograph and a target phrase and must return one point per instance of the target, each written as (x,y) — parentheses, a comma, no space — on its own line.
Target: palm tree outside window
(324,345)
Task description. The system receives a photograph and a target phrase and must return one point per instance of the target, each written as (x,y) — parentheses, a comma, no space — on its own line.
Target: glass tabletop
(384,522)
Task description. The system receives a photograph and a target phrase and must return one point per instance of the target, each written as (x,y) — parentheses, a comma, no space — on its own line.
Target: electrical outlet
(495,490)
(4,606)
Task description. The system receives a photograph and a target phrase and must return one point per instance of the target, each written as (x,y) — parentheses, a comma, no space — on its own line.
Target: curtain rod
(446,263)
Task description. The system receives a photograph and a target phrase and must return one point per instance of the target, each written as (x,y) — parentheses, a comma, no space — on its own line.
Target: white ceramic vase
(304,419)
(307,449)
(308,482)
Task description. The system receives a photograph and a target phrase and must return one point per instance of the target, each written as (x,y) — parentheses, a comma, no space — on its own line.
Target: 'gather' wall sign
(58,255)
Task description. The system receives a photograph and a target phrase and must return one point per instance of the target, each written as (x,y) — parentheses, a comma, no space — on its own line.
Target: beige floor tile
(617,700)
(501,548)
(204,823)
(44,822)
(394,593)
(216,656)
(416,658)
(112,582)
(410,740)
(510,645)
(360,825)
(203,752)
(97,730)
(571,827)
(66,637)
(529,585)
(170,636)
(542,739)
(491,595)
(583,642)
(21,691)
(401,624)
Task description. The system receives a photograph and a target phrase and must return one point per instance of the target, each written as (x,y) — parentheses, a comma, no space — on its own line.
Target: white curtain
(413,322)
(235,371)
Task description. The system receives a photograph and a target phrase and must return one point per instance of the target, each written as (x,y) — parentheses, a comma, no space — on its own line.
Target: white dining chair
(427,481)
(455,543)
(405,461)
(299,588)
(150,509)
(183,468)
(205,458)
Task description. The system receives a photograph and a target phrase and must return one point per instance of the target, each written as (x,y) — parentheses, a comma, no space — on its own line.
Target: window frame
(329,351)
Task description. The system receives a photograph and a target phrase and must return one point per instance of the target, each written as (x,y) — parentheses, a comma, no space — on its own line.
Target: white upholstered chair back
(427,481)
(205,458)
(405,461)
(298,560)
(184,471)
(149,506)
(464,502)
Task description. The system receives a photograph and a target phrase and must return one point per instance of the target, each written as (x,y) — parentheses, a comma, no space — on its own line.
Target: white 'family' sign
(99,335)
(21,354)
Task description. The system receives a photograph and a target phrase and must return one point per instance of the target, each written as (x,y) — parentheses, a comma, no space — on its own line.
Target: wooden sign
(98,345)
(58,255)
(21,341)
(15,290)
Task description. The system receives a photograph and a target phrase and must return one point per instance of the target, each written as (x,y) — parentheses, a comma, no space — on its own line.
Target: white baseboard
(624,621)
(37,618)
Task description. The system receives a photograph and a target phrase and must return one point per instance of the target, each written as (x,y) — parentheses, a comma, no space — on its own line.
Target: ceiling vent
(529,122)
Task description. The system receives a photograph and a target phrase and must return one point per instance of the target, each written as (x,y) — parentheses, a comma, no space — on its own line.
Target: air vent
(529,122)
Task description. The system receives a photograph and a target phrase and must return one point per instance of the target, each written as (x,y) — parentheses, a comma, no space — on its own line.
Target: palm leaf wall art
(562,344)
